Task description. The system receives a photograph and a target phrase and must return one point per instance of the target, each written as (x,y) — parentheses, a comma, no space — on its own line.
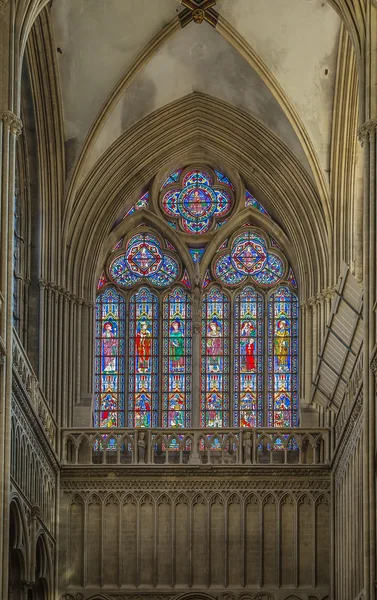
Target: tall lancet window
(248,358)
(109,380)
(177,366)
(282,358)
(215,360)
(143,359)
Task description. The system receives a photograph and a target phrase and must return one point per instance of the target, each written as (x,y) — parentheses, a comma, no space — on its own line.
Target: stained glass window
(109,380)
(102,281)
(143,202)
(195,197)
(197,254)
(248,367)
(144,258)
(177,342)
(215,360)
(143,359)
(282,358)
(248,359)
(249,256)
(253,202)
(172,178)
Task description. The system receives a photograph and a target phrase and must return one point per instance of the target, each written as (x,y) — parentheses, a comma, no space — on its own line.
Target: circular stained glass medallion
(197,200)
(197,203)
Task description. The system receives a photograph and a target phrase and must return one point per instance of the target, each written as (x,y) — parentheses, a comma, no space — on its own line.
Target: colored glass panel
(177,340)
(118,245)
(197,177)
(195,201)
(224,179)
(221,223)
(283,359)
(143,202)
(248,359)
(249,257)
(173,178)
(196,254)
(253,202)
(186,279)
(291,278)
(207,279)
(109,361)
(223,245)
(102,281)
(144,259)
(170,246)
(143,359)
(215,360)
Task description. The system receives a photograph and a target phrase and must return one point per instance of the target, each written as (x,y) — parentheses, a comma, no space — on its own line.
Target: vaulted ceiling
(120,60)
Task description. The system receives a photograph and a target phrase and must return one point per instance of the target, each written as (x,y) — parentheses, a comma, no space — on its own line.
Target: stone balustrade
(174,447)
(30,386)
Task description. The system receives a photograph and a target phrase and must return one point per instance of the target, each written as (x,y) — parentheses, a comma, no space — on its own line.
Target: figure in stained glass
(143,343)
(176,345)
(215,359)
(247,345)
(214,346)
(282,344)
(109,347)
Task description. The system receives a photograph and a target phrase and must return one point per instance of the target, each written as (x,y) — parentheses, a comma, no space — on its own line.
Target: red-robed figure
(143,343)
(247,333)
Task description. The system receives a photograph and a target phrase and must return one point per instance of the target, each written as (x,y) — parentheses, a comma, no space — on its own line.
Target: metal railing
(146,447)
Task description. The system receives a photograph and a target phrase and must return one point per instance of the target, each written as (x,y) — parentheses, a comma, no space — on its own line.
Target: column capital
(3,3)
(10,120)
(366,130)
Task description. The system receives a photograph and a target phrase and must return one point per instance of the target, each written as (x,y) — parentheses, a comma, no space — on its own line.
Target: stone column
(367,136)
(10,127)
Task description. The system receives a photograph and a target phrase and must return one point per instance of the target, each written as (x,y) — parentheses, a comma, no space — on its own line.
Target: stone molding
(10,120)
(327,294)
(48,285)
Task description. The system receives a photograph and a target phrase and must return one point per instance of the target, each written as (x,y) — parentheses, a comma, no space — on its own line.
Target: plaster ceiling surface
(298,41)
(99,40)
(197,59)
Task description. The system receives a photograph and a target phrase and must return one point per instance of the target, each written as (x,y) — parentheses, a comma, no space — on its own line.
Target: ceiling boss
(198,11)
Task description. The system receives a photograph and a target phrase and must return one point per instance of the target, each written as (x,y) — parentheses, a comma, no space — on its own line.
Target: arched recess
(18,550)
(197,126)
(43,570)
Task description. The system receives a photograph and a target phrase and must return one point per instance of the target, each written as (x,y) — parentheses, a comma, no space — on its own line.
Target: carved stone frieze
(197,595)
(267,483)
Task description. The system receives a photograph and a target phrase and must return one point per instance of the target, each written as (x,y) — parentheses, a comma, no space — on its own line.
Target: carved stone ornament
(3,3)
(11,120)
(366,130)
(198,11)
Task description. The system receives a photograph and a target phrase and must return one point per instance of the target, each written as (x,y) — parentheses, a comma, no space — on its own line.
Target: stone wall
(263,529)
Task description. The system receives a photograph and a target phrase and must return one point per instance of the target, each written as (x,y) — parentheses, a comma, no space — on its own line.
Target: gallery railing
(30,385)
(138,447)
